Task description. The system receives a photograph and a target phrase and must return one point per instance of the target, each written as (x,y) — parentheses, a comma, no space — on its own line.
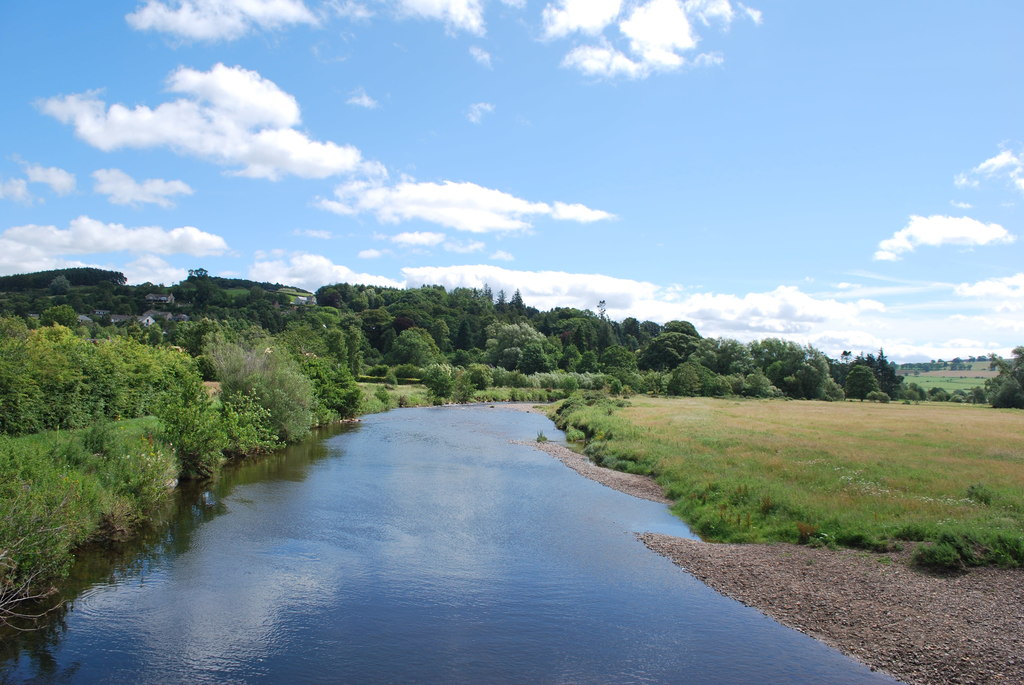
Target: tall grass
(60,489)
(851,474)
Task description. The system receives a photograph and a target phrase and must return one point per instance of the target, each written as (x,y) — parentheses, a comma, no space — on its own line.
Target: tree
(61,314)
(1006,391)
(668,351)
(414,346)
(60,285)
(860,381)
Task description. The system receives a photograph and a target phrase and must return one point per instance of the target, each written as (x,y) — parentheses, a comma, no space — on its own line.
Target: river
(419,545)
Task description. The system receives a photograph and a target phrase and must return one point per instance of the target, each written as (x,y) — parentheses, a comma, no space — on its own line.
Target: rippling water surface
(417,546)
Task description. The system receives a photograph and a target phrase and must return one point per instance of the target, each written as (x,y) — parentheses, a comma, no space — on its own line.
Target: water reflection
(419,547)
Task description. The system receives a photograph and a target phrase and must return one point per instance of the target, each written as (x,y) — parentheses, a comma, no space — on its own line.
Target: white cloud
(359,98)
(502,256)
(656,33)
(603,60)
(477,111)
(481,56)
(586,16)
(462,206)
(578,212)
(153,269)
(311,271)
(15,189)
(1007,165)
(230,115)
(936,230)
(60,181)
(994,288)
(350,9)
(372,254)
(711,10)
(418,239)
(122,189)
(464,247)
(755,16)
(89,236)
(313,233)
(212,20)
(961,205)
(462,15)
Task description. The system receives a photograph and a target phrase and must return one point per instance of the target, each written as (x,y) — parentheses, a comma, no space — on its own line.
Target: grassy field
(947,383)
(849,473)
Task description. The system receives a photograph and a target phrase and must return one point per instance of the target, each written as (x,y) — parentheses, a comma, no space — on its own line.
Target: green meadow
(844,473)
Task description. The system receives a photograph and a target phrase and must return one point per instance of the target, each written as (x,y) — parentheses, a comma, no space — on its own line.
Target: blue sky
(845,175)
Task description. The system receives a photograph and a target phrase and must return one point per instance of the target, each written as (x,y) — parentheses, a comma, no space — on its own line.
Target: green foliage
(860,382)
(194,428)
(247,427)
(60,315)
(59,489)
(877,396)
(440,380)
(272,378)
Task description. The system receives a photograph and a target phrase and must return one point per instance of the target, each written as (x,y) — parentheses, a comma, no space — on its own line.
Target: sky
(844,175)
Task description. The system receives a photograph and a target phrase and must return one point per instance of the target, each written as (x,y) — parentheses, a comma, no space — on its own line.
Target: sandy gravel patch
(919,627)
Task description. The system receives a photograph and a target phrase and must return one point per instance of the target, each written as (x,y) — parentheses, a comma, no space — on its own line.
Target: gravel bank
(919,627)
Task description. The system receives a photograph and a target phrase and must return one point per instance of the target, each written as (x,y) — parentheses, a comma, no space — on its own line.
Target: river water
(416,546)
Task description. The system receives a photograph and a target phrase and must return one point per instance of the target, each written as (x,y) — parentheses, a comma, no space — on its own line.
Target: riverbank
(921,628)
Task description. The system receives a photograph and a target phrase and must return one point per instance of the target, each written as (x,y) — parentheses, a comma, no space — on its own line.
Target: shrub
(247,427)
(272,378)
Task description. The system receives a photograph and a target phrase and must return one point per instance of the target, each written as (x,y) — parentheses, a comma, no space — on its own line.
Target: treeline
(405,332)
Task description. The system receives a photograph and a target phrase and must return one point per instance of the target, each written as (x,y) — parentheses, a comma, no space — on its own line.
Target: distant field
(948,384)
(850,472)
(294,292)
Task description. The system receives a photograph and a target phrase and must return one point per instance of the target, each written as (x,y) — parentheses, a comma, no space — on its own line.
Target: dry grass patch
(852,473)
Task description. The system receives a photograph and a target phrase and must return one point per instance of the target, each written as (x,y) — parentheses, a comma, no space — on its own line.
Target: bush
(194,428)
(272,378)
(877,396)
(247,427)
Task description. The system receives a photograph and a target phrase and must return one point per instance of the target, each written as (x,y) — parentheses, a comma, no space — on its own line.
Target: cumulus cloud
(464,247)
(313,233)
(122,189)
(652,36)
(418,239)
(586,16)
(311,271)
(1007,165)
(935,231)
(462,206)
(502,256)
(359,98)
(457,15)
(213,20)
(89,236)
(786,310)
(372,254)
(60,181)
(153,269)
(229,115)
(482,57)
(994,288)
(15,189)
(477,111)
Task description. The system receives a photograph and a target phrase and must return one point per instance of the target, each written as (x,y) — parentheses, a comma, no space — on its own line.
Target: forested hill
(386,328)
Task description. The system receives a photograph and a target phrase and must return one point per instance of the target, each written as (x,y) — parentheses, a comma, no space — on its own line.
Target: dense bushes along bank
(848,474)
